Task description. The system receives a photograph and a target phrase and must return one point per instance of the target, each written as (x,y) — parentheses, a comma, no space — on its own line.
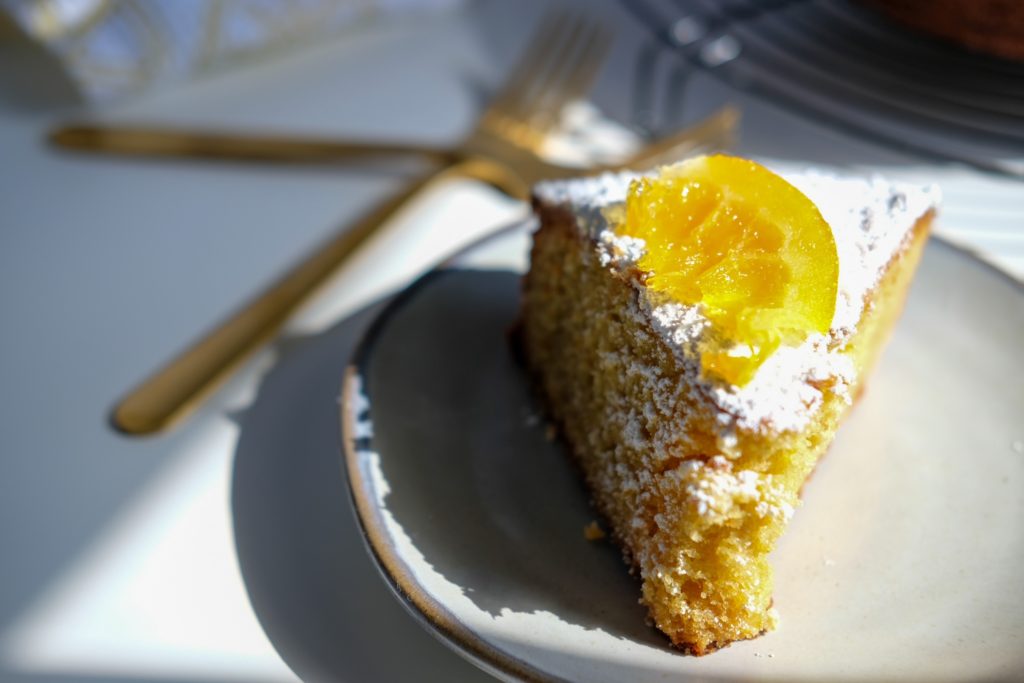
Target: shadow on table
(317,594)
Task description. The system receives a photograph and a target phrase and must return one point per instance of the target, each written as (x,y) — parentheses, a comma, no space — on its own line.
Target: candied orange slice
(739,240)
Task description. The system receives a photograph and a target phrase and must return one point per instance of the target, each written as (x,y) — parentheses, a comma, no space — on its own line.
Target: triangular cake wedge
(697,477)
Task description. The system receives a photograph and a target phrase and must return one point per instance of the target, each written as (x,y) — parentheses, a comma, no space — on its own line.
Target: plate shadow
(315,590)
(494,507)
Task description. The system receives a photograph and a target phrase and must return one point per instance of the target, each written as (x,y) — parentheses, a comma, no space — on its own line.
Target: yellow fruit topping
(753,250)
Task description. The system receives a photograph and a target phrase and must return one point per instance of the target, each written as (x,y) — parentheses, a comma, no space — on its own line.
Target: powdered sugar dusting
(588,197)
(684,325)
(784,392)
(359,409)
(870,219)
(719,493)
(619,250)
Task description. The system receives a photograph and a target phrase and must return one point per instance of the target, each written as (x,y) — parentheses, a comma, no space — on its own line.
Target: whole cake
(698,334)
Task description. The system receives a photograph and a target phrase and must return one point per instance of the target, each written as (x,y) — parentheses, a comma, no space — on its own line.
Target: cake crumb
(828,562)
(550,432)
(593,532)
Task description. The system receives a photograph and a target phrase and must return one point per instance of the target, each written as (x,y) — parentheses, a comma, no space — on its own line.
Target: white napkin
(112,47)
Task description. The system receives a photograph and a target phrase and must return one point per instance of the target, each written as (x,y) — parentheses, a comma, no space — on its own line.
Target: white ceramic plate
(905,562)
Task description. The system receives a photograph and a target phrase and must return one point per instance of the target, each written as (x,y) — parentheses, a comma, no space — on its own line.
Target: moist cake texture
(697,477)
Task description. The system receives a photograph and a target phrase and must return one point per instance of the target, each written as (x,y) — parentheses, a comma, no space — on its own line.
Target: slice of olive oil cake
(698,334)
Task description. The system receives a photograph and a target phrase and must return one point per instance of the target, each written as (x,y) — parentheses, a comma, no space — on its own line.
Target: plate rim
(429,612)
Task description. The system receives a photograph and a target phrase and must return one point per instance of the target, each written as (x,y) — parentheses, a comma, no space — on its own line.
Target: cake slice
(697,335)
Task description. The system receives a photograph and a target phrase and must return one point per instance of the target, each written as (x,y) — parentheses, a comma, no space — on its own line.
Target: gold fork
(156,141)
(716,131)
(559,66)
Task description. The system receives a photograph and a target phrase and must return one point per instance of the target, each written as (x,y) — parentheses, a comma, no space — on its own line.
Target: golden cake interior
(694,514)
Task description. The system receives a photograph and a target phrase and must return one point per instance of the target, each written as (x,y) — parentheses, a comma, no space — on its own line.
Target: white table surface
(226,549)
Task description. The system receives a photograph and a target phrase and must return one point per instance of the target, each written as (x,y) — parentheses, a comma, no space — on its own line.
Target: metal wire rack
(849,67)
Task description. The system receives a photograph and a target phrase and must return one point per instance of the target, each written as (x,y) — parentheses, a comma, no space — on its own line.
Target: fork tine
(556,60)
(578,76)
(590,65)
(559,65)
(532,60)
(562,69)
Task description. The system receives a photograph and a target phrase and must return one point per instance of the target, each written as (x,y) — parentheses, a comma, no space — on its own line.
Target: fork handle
(180,385)
(165,142)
